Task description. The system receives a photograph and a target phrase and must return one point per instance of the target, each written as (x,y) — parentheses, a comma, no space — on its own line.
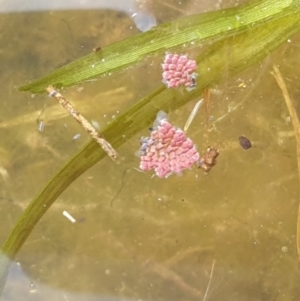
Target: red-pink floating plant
(178,71)
(167,150)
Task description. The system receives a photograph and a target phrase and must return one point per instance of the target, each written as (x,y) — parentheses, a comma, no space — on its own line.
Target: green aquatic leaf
(245,48)
(188,31)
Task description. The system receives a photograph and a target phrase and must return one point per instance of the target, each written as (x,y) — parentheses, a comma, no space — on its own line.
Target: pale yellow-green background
(161,236)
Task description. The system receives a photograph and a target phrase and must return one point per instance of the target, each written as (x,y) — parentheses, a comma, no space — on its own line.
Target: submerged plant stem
(296,124)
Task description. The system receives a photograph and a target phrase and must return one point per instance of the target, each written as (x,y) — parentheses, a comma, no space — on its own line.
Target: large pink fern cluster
(167,150)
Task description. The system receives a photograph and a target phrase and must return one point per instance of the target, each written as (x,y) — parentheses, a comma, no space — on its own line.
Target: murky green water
(161,237)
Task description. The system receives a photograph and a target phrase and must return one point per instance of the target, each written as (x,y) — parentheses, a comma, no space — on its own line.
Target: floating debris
(193,114)
(178,71)
(245,143)
(167,150)
(95,124)
(77,136)
(4,173)
(96,49)
(208,161)
(69,216)
(41,126)
(98,137)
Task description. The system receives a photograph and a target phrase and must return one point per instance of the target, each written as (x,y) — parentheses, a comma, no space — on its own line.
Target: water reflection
(21,285)
(143,20)
(27,6)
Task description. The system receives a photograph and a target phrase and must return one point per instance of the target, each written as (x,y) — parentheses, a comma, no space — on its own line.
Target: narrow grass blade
(188,31)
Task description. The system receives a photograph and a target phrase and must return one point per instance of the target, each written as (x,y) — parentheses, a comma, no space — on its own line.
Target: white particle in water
(161,115)
(280,142)
(103,60)
(134,15)
(288,119)
(69,216)
(95,124)
(284,249)
(77,136)
(289,40)
(4,173)
(41,126)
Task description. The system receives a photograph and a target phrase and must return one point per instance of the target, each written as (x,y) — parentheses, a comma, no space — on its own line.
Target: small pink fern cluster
(178,71)
(167,150)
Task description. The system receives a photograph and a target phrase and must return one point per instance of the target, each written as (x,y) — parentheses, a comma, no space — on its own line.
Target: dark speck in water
(245,142)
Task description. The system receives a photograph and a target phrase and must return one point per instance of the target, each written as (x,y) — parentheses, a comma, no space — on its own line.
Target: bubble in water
(161,115)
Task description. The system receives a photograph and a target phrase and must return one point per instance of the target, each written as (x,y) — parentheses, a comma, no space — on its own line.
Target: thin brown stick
(178,257)
(151,266)
(170,275)
(85,124)
(296,124)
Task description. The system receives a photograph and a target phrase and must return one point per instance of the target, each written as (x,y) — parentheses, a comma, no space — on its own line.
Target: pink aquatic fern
(167,150)
(178,71)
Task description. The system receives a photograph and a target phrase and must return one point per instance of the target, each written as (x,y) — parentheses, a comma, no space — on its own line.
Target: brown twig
(178,257)
(296,124)
(170,275)
(85,124)
(151,266)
